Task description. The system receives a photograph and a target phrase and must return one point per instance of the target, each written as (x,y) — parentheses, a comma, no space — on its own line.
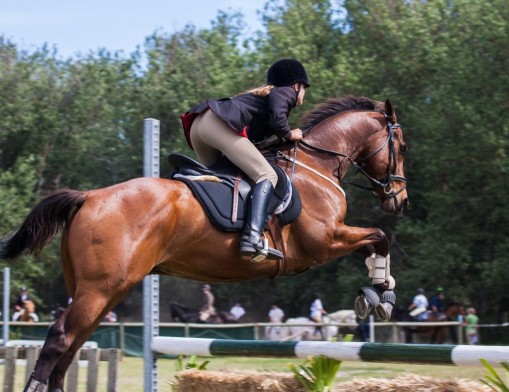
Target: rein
(385,184)
(296,162)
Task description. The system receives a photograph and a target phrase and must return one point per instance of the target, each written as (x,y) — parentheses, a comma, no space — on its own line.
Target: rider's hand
(296,135)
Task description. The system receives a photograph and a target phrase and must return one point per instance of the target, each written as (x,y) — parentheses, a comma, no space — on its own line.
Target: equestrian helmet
(286,72)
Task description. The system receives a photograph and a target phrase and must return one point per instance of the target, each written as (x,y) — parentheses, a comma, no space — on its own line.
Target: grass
(131,371)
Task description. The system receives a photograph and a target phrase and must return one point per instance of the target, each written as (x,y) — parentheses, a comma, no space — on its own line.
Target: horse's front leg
(372,244)
(380,296)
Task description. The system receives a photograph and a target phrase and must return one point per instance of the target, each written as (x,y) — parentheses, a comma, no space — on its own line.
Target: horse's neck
(348,137)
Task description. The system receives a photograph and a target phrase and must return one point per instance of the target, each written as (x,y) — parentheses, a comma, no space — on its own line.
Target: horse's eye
(403,148)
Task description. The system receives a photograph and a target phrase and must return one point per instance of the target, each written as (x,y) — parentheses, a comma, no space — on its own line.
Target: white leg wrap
(379,269)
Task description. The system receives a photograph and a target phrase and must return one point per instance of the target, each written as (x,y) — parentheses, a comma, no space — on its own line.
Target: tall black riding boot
(250,242)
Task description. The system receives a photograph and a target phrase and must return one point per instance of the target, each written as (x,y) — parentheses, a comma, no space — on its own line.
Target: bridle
(390,177)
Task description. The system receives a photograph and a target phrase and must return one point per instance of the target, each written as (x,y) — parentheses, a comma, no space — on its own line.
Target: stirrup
(259,253)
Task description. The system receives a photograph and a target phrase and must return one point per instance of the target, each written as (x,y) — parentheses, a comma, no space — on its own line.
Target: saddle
(223,189)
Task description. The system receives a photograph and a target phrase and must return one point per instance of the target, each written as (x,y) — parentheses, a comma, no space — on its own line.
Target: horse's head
(349,127)
(382,163)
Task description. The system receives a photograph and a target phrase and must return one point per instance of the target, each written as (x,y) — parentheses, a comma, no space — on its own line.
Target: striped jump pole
(429,354)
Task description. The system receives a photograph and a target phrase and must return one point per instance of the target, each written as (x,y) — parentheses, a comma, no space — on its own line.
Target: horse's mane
(338,105)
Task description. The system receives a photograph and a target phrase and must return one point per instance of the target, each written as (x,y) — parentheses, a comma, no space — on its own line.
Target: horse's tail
(42,224)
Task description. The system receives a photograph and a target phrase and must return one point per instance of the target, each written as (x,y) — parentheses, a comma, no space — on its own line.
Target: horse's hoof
(384,311)
(367,299)
(387,302)
(362,307)
(34,385)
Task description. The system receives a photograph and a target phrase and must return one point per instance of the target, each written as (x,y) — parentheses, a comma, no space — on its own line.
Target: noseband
(386,183)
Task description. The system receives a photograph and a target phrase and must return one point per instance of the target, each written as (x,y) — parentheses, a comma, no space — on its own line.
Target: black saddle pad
(216,193)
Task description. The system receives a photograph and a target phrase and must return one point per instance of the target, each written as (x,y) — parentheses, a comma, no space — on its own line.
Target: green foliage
(493,379)
(317,374)
(184,363)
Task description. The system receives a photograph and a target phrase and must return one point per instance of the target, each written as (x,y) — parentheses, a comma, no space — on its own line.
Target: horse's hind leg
(52,351)
(64,339)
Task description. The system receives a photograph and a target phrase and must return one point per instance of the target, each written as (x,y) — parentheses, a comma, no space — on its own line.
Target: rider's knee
(269,175)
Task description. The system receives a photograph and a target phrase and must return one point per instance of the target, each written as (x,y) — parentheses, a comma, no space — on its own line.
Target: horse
(302,328)
(187,315)
(434,334)
(344,316)
(27,313)
(113,237)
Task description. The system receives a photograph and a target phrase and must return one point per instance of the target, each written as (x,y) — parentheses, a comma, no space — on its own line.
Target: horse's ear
(389,111)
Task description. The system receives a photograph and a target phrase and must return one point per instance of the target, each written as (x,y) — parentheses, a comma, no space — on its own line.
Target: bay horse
(113,237)
(435,334)
(188,315)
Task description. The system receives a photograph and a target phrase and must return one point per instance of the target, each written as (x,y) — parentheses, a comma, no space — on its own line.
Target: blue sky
(117,25)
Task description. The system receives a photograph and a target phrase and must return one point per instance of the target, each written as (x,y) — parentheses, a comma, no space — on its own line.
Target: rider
(228,127)
(20,303)
(419,306)
(317,312)
(436,302)
(207,308)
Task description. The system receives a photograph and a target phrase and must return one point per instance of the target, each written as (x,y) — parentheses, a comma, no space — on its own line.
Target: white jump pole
(151,156)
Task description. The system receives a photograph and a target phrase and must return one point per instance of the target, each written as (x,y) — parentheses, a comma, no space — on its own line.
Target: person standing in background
(207,308)
(237,310)
(472,326)
(276,314)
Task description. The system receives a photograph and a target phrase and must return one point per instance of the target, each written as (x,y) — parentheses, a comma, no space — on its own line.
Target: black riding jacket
(254,116)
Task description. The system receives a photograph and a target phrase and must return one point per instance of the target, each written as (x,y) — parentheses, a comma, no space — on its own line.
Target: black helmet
(286,72)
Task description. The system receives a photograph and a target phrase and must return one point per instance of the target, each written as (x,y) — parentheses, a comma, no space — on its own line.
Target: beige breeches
(212,138)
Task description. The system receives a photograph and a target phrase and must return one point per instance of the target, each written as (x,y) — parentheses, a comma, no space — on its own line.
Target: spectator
(419,306)
(436,302)
(207,308)
(276,314)
(472,326)
(237,310)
